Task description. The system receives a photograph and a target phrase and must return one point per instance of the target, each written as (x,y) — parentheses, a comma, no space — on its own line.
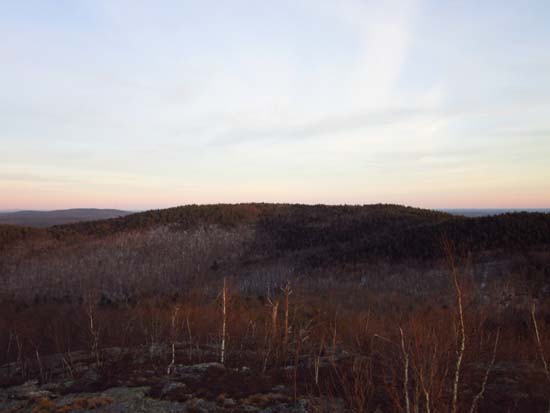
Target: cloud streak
(418,102)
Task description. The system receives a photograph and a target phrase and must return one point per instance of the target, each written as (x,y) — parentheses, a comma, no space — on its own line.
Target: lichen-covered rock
(199,368)
(196,371)
(200,406)
(28,390)
(171,387)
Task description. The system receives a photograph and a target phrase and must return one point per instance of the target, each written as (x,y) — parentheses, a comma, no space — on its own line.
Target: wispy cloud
(350,101)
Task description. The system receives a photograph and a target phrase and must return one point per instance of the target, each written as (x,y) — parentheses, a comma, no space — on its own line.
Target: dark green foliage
(301,226)
(516,231)
(352,234)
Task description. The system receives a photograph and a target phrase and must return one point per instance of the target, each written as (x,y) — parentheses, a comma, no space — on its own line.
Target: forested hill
(230,215)
(394,232)
(322,233)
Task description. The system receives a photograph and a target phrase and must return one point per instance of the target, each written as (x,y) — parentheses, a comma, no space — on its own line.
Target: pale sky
(149,104)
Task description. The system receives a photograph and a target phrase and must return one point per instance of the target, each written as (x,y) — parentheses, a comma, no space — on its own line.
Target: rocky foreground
(167,396)
(137,380)
(141,385)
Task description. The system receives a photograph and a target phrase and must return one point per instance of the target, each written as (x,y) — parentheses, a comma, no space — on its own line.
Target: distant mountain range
(58,217)
(484,212)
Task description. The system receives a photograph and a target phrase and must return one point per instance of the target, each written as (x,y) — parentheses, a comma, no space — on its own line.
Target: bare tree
(274,306)
(286,291)
(224,320)
(174,334)
(540,346)
(94,329)
(460,328)
(481,392)
(405,372)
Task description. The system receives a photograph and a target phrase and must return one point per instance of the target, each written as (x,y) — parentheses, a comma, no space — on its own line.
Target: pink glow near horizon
(427,103)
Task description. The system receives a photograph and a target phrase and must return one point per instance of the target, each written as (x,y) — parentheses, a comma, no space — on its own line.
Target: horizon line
(137,210)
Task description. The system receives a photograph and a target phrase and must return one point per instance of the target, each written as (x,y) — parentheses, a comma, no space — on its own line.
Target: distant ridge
(58,217)
(313,235)
(484,212)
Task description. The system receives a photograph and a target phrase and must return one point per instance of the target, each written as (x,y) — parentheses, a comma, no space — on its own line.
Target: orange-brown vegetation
(404,334)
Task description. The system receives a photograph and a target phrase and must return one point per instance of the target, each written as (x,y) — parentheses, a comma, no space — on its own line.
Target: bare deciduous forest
(263,307)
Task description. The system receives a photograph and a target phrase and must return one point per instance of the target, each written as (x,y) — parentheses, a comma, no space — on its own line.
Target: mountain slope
(318,234)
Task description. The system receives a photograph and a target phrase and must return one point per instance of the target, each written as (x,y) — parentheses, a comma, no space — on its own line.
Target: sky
(148,104)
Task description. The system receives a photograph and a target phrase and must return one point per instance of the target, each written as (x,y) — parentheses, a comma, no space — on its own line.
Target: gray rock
(200,368)
(90,377)
(28,390)
(201,406)
(229,403)
(52,387)
(157,350)
(248,408)
(171,387)
(195,371)
(281,388)
(301,405)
